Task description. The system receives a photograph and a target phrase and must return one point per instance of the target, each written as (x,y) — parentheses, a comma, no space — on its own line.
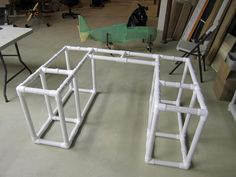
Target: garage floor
(112,139)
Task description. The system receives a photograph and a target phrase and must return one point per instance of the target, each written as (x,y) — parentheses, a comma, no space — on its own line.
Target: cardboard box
(225,82)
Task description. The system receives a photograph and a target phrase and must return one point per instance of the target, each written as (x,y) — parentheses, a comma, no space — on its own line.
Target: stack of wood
(190,19)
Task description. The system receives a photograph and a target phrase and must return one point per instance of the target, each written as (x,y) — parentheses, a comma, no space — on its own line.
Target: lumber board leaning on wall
(182,21)
(194,20)
(174,16)
(223,51)
(211,17)
(230,14)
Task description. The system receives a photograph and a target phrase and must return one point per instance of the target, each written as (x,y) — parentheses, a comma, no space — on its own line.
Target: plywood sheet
(223,51)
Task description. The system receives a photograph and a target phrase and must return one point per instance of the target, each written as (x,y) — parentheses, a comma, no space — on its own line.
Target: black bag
(138,17)
(97,3)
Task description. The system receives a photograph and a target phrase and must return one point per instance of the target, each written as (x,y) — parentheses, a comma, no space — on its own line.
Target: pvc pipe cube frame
(71,80)
(156,104)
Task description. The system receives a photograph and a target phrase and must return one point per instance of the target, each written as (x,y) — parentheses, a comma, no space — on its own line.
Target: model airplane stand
(69,87)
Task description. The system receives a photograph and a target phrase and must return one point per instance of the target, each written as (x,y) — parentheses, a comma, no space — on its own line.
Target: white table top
(9,35)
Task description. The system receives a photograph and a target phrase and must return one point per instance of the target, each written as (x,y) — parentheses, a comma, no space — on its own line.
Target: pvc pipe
(195,139)
(67,119)
(78,48)
(77,100)
(74,131)
(155,94)
(64,98)
(201,101)
(86,90)
(47,100)
(56,71)
(191,71)
(67,60)
(44,127)
(38,91)
(177,85)
(157,84)
(182,109)
(151,137)
(88,104)
(26,112)
(172,58)
(187,118)
(66,83)
(178,99)
(168,102)
(151,103)
(62,118)
(31,78)
(122,60)
(53,57)
(183,146)
(167,135)
(50,143)
(155,103)
(75,70)
(93,75)
(68,67)
(164,163)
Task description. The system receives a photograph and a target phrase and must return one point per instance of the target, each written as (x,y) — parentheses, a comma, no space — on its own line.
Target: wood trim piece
(194,20)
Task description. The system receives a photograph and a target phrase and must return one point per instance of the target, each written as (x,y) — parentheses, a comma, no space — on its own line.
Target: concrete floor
(112,139)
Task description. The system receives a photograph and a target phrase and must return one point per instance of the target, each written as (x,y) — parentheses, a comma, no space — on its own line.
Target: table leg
(5,77)
(20,59)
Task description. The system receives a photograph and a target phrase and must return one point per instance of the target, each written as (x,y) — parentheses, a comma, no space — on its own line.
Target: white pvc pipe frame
(156,104)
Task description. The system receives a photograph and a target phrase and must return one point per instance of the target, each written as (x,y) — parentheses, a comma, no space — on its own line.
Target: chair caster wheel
(48,25)
(27,26)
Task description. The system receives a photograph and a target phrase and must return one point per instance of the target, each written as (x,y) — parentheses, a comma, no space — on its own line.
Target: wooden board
(223,51)
(183,18)
(167,19)
(211,18)
(226,21)
(175,13)
(194,20)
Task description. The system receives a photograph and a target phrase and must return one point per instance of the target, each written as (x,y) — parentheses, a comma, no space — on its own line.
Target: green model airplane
(119,33)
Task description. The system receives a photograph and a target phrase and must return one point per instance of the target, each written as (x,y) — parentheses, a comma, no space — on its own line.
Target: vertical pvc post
(151,135)
(180,123)
(67,60)
(187,118)
(155,116)
(195,140)
(27,115)
(68,67)
(151,103)
(181,82)
(62,118)
(93,74)
(77,99)
(47,100)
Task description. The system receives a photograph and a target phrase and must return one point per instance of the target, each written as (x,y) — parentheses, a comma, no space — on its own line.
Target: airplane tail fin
(84,29)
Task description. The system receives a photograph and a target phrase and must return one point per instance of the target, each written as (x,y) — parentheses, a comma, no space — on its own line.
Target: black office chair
(197,47)
(70,4)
